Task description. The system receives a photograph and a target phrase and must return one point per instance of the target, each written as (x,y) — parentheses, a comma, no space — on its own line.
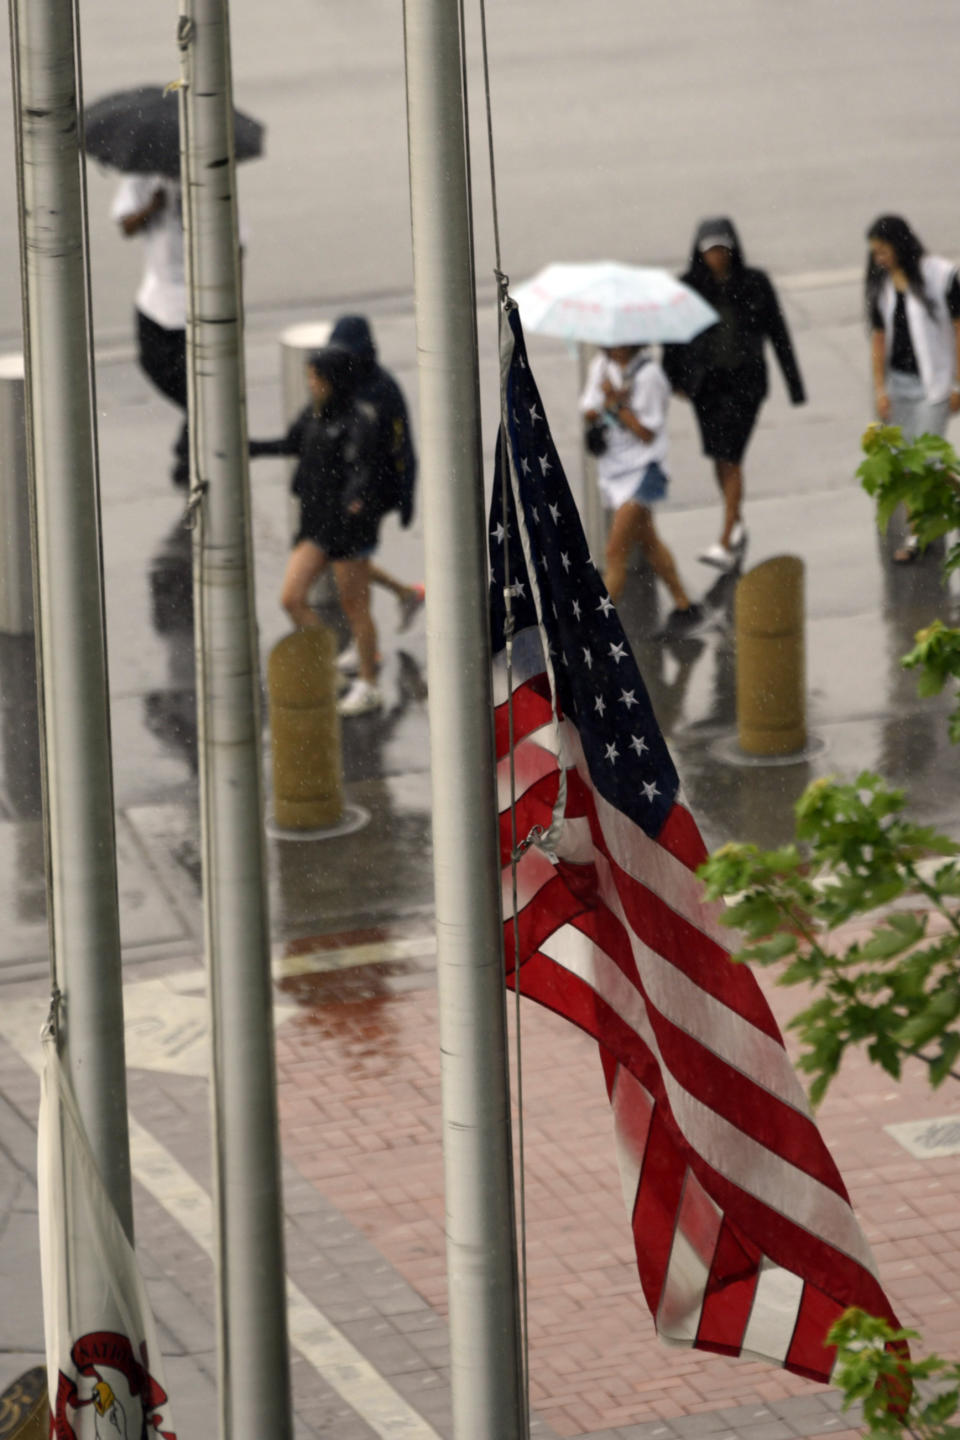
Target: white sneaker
(720,557)
(360,699)
(348,661)
(738,537)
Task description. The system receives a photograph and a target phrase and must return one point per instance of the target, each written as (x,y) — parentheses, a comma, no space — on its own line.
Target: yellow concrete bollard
(771,668)
(305,731)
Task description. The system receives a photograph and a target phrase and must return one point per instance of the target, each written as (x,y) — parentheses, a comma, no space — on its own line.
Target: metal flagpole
(481,1238)
(252,1330)
(68,579)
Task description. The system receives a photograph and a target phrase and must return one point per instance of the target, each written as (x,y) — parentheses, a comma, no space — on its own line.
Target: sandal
(908,552)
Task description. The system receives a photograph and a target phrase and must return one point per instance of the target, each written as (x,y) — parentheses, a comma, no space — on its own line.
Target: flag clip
(539,837)
(51,1026)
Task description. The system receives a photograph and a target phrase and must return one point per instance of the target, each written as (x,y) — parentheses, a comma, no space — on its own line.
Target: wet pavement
(358,1061)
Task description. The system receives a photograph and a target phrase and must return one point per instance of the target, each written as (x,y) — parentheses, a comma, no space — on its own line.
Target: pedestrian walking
(151,206)
(624,404)
(339,483)
(396,457)
(913,311)
(723,371)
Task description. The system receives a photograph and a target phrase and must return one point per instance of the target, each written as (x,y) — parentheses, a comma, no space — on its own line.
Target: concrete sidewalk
(357,1054)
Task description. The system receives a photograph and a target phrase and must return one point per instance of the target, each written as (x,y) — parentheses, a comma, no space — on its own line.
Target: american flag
(745,1239)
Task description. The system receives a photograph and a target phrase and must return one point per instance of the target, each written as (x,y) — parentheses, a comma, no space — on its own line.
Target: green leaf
(757,915)
(769,951)
(946,1060)
(939,1013)
(892,939)
(940,1410)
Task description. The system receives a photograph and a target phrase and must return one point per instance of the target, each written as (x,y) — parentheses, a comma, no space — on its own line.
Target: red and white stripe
(745,1238)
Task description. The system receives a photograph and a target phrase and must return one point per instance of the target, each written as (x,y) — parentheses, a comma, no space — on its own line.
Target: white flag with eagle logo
(103,1361)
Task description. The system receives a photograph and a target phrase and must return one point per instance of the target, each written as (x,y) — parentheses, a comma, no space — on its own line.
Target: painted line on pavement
(336,1360)
(821,279)
(373,952)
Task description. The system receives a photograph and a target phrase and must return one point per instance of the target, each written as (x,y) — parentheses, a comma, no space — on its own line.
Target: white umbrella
(604,303)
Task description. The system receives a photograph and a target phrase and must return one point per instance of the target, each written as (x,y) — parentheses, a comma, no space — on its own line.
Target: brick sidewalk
(360,1110)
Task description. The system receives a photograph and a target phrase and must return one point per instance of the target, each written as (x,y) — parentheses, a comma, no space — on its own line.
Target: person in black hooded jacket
(723,371)
(396,457)
(343,497)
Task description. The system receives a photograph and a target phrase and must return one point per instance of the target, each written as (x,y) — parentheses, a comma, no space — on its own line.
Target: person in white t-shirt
(150,206)
(625,406)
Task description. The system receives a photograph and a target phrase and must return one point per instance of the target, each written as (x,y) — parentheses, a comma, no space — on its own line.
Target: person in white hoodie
(624,404)
(913,310)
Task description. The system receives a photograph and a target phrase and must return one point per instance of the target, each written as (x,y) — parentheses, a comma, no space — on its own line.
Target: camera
(595,438)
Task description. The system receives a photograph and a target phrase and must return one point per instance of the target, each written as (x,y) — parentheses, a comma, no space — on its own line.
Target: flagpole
(488,1402)
(252,1329)
(68,580)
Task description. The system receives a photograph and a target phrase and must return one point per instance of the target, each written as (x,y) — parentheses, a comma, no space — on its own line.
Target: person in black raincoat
(397,460)
(723,371)
(343,496)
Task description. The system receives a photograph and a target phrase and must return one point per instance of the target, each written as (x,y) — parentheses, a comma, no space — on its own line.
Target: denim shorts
(910,408)
(652,486)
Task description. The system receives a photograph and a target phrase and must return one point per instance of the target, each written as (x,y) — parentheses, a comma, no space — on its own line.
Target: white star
(638,743)
(554,608)
(575,607)
(517,588)
(587,658)
(534,413)
(543,563)
(565,560)
(599,705)
(499,533)
(612,752)
(628,698)
(606,604)
(649,789)
(524,465)
(554,512)
(545,466)
(618,652)
(536,514)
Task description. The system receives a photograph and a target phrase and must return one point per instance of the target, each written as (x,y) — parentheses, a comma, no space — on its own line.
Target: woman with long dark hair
(723,371)
(913,310)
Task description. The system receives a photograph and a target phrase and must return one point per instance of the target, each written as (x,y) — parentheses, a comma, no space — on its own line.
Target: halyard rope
(516,850)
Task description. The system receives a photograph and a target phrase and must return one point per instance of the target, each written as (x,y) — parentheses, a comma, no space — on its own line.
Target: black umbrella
(138,131)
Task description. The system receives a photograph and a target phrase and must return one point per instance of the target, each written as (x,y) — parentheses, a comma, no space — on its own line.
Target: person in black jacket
(397,458)
(723,371)
(343,497)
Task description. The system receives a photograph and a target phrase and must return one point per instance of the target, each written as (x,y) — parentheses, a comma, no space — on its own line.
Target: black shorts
(339,536)
(726,414)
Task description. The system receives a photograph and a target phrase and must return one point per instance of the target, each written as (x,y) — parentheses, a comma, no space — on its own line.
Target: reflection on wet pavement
(355,1010)
(344,986)
(20,790)
(170,713)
